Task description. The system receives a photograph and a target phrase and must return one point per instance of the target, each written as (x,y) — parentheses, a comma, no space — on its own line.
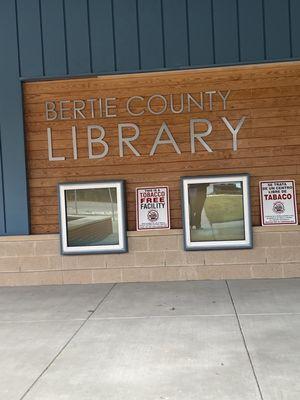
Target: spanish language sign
(278,202)
(152,208)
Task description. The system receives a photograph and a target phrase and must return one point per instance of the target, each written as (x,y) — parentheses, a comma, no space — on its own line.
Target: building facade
(241,57)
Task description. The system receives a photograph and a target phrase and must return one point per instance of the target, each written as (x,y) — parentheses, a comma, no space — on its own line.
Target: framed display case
(92,217)
(216,212)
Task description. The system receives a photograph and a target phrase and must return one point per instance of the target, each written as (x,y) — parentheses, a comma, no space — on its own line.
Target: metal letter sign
(152,208)
(278,203)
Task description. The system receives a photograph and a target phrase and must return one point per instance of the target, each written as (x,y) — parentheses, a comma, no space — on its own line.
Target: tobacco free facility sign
(278,202)
(152,208)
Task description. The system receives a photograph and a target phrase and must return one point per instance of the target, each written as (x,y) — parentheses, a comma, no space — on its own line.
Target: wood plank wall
(268,142)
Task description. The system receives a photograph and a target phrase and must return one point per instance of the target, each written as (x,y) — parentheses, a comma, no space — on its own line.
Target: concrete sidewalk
(208,340)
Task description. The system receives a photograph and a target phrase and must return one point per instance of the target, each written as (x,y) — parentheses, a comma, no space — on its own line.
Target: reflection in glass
(92,217)
(216,211)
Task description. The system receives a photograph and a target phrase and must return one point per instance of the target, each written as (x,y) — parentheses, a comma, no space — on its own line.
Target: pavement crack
(67,343)
(245,343)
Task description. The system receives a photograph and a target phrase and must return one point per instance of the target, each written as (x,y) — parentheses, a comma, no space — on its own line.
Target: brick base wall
(154,256)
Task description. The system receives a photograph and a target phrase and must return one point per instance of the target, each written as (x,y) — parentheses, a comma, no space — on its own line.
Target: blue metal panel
(201,32)
(77,36)
(277,29)
(151,34)
(226,32)
(126,35)
(30,38)
(176,33)
(2,202)
(53,37)
(251,28)
(11,117)
(295,28)
(102,36)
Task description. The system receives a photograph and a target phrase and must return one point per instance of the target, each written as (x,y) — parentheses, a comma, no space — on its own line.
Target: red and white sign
(152,208)
(278,203)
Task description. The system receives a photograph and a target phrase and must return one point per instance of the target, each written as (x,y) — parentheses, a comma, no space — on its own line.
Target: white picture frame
(216,212)
(92,217)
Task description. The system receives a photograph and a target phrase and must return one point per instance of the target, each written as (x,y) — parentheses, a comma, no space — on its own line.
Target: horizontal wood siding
(268,142)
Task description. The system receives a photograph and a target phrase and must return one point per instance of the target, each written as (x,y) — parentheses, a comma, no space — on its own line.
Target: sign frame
(191,245)
(121,246)
(262,210)
(138,210)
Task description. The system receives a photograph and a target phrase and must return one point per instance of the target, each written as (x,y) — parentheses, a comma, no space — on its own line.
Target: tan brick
(9,264)
(166,274)
(40,263)
(107,275)
(36,263)
(247,256)
(266,239)
(55,262)
(291,270)
(157,243)
(31,278)
(175,258)
(201,272)
(92,261)
(47,247)
(120,260)
(195,257)
(290,238)
(77,276)
(236,272)
(137,244)
(25,248)
(283,254)
(10,279)
(181,273)
(149,258)
(136,275)
(43,278)
(69,262)
(180,242)
(267,271)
